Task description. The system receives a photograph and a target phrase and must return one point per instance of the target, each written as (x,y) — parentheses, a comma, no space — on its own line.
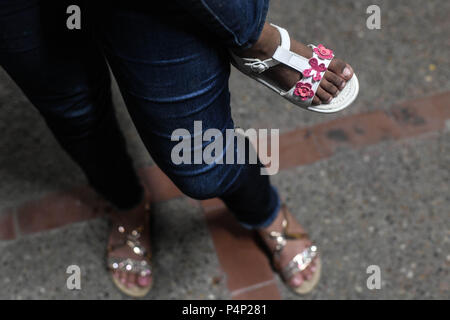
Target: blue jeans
(171,72)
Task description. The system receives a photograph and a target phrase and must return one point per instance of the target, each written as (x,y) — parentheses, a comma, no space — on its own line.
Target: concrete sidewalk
(377,198)
(363,207)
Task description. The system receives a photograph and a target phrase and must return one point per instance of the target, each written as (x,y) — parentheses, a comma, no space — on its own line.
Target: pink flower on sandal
(304,90)
(323,52)
(315,66)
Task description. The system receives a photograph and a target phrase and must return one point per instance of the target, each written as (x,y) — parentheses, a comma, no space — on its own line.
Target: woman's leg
(66,78)
(170,77)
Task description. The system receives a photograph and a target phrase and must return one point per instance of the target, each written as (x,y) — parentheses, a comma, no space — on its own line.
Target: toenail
(143,281)
(347,72)
(296,282)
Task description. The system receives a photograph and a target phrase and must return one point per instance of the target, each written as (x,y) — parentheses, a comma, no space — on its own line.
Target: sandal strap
(282,237)
(131,240)
(285,42)
(312,69)
(259,66)
(141,267)
(300,262)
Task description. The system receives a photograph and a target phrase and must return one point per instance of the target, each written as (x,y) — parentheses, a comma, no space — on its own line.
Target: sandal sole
(308,285)
(134,292)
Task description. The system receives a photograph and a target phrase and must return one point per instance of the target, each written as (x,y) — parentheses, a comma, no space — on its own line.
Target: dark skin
(335,79)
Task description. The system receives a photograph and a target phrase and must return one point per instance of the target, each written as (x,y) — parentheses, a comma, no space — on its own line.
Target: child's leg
(240,25)
(335,78)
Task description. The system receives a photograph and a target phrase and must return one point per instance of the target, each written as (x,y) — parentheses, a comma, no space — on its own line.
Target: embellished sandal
(298,263)
(139,267)
(313,69)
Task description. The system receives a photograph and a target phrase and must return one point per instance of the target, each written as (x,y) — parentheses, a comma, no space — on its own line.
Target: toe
(307,273)
(144,281)
(337,81)
(341,68)
(116,275)
(296,280)
(329,87)
(324,96)
(131,280)
(316,101)
(122,277)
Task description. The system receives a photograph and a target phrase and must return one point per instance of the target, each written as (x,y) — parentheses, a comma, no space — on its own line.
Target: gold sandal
(139,267)
(298,263)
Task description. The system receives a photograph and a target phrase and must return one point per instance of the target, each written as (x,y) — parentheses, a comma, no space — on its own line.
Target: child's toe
(335,79)
(329,87)
(323,95)
(341,68)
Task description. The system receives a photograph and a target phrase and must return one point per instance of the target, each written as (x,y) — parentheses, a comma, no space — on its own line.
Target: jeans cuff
(254,38)
(131,203)
(270,219)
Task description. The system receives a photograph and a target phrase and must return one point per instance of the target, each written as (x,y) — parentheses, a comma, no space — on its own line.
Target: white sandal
(313,69)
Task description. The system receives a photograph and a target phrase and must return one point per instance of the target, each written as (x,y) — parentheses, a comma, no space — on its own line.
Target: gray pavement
(385,205)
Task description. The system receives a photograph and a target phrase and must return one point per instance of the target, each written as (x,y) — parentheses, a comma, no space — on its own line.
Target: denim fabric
(170,74)
(237,23)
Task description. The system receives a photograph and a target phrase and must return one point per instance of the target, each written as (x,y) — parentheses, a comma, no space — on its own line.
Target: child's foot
(129,248)
(335,77)
(293,246)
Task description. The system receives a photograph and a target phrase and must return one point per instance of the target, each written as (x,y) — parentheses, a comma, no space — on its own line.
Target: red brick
(7,231)
(159,185)
(298,148)
(355,131)
(422,115)
(266,292)
(240,257)
(59,209)
(441,103)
